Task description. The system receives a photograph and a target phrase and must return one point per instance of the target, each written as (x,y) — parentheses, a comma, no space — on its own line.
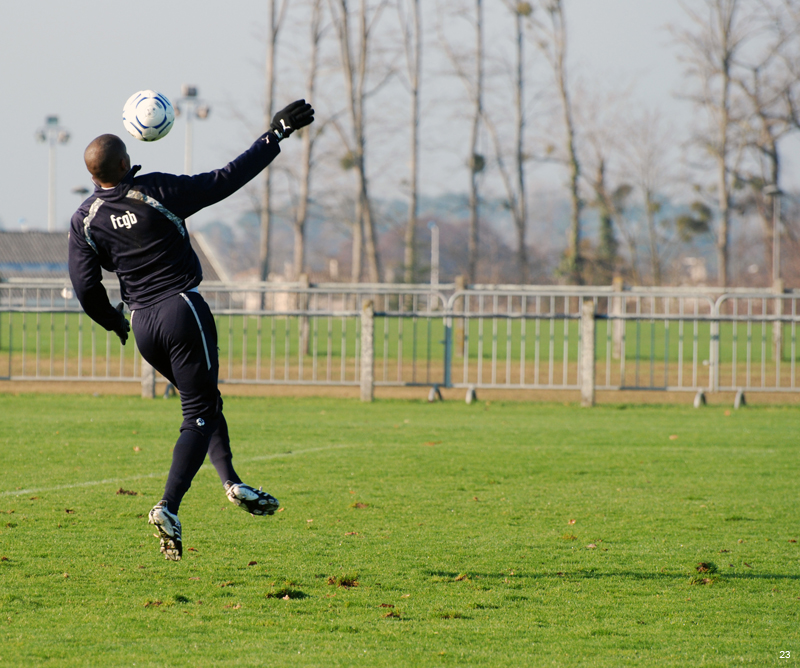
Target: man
(134,226)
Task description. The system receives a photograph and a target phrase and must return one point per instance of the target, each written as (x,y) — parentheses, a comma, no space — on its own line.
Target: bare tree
(411,26)
(710,49)
(309,135)
(276,12)
(552,39)
(514,178)
(474,84)
(355,67)
(647,162)
(769,82)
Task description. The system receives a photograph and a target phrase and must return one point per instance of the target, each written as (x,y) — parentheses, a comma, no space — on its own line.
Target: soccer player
(134,225)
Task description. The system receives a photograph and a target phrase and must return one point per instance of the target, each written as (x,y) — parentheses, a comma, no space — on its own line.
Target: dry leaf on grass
(252,563)
(706,567)
(359,504)
(572,521)
(346,581)
(386,605)
(127,492)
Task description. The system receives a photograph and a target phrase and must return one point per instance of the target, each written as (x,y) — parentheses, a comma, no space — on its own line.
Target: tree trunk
(655,261)
(521,217)
(355,79)
(269,92)
(299,259)
(723,194)
(476,160)
(573,262)
(414,53)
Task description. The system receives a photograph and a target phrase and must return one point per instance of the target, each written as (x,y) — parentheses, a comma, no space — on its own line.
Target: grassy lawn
(411,534)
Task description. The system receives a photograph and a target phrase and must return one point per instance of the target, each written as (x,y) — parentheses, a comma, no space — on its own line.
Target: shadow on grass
(454,576)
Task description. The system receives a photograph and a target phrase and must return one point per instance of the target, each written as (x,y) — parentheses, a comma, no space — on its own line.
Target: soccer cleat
(254,501)
(169,530)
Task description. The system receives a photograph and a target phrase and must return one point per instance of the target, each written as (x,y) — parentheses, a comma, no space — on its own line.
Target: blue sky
(82,59)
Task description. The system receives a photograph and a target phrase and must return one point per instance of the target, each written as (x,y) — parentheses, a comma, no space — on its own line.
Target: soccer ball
(148,115)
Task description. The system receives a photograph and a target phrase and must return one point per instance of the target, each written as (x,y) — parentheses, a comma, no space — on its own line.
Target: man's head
(107,160)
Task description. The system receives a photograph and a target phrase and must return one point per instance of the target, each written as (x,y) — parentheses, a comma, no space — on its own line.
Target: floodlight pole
(192,107)
(53,134)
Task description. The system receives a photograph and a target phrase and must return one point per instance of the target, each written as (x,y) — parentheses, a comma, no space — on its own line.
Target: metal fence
(483,337)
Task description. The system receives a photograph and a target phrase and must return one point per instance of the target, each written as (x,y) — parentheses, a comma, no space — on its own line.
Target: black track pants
(178,337)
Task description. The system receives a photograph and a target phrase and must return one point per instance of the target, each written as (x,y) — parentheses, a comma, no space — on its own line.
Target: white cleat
(169,530)
(254,501)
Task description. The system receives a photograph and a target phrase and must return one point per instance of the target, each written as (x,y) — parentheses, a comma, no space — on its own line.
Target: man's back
(132,233)
(136,229)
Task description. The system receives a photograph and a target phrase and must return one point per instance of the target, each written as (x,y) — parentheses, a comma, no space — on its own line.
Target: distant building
(39,255)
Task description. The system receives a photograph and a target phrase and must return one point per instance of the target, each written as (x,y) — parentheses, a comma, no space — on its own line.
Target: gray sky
(82,59)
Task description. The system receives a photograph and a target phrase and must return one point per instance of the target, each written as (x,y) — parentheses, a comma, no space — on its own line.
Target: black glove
(122,327)
(297,115)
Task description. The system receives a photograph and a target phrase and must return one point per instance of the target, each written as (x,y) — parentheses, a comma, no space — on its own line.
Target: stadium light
(192,107)
(53,134)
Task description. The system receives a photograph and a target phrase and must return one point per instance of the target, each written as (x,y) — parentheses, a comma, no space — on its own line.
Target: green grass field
(497,534)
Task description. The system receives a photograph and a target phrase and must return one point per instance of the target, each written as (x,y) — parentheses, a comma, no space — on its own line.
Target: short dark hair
(102,157)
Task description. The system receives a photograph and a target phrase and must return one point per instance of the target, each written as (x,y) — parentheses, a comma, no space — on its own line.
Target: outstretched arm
(186,195)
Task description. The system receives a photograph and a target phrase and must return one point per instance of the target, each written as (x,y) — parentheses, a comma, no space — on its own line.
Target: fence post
(777,326)
(367,351)
(587,368)
(448,350)
(460,284)
(303,304)
(148,380)
(617,325)
(714,353)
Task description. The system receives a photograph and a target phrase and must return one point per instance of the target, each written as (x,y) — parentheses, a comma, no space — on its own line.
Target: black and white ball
(148,115)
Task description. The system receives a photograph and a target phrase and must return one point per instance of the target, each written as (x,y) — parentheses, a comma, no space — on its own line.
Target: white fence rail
(513,337)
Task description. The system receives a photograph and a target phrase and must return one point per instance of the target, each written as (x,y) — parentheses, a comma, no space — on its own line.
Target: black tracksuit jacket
(137,230)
